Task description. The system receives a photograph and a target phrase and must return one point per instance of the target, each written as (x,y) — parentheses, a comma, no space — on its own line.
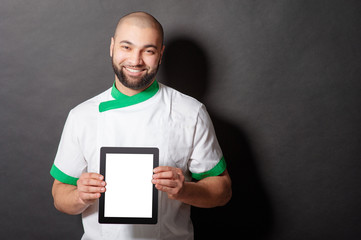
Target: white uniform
(158,117)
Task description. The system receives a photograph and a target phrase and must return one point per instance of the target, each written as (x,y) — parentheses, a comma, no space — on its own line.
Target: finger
(86,189)
(168,190)
(163,188)
(178,171)
(89,196)
(167,175)
(92,175)
(90,182)
(166,183)
(162,169)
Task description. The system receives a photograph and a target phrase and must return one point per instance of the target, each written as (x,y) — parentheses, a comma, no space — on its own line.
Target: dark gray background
(281,80)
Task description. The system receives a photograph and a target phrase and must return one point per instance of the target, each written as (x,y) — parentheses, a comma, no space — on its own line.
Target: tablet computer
(130,197)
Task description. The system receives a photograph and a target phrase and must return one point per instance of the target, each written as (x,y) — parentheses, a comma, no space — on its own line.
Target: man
(140,112)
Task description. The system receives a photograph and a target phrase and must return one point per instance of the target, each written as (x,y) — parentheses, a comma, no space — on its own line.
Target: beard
(140,83)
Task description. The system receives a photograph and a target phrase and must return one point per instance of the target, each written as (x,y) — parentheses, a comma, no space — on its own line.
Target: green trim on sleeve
(62,177)
(215,171)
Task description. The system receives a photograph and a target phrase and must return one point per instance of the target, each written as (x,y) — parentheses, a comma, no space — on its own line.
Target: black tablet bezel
(128,220)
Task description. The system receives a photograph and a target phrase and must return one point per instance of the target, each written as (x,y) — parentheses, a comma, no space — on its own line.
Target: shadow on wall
(248,215)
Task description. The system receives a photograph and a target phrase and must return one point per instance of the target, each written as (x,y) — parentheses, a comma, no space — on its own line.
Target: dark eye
(125,47)
(150,51)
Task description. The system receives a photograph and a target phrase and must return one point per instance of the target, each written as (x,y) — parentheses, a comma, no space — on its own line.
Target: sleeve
(69,162)
(206,159)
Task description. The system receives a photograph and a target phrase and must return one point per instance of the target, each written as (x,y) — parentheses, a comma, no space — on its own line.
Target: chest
(151,127)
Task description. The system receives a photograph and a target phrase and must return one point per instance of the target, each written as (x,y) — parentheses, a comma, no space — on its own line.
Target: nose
(136,58)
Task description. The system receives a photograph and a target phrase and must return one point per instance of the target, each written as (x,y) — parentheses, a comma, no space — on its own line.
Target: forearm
(207,193)
(66,198)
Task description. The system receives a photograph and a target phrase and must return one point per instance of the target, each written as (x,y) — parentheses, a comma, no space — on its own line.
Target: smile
(132,70)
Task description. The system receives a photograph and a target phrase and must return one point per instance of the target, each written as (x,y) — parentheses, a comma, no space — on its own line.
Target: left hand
(169,180)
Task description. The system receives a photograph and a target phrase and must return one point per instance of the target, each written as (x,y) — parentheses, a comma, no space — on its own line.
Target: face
(136,53)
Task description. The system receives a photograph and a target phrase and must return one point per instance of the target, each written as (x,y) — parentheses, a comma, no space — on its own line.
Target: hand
(90,186)
(169,180)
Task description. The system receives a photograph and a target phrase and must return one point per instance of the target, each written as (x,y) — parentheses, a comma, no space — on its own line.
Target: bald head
(141,20)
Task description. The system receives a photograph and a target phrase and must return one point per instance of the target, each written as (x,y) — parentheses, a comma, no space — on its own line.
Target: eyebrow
(145,46)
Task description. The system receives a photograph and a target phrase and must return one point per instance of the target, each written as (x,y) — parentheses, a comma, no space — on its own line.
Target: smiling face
(136,51)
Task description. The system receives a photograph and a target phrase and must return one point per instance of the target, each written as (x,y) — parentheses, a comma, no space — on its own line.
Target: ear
(161,54)
(111,47)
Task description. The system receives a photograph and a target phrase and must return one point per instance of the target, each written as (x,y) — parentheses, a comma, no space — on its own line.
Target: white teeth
(134,70)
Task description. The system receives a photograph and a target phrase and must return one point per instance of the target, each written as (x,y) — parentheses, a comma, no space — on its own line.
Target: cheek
(118,58)
(152,62)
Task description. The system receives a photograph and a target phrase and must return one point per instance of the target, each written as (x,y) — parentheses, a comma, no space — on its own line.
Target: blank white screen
(129,187)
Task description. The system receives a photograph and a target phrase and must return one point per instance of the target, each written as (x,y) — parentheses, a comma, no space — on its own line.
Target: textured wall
(281,80)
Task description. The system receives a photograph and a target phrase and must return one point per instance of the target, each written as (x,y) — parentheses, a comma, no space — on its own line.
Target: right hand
(90,186)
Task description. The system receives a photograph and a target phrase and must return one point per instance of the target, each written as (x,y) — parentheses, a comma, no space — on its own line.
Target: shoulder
(91,106)
(179,100)
(184,109)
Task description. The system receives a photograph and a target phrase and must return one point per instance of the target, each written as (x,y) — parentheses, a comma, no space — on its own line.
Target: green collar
(122,100)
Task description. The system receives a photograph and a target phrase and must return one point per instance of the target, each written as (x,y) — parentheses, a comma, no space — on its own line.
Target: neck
(128,91)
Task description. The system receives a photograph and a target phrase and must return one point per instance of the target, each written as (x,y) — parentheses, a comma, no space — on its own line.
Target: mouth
(134,70)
